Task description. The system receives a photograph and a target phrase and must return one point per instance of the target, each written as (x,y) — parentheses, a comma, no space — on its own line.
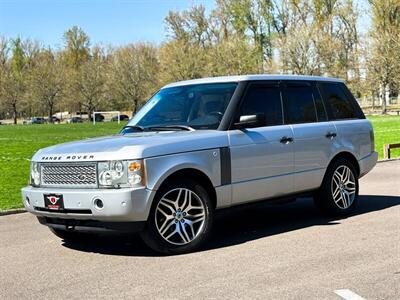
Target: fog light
(28,201)
(98,204)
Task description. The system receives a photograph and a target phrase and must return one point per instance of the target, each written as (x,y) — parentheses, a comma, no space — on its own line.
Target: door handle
(331,135)
(286,140)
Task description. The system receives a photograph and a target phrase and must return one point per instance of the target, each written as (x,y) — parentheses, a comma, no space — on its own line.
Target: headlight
(35,174)
(120,173)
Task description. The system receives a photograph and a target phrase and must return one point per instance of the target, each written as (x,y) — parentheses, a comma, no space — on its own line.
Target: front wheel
(181,218)
(338,194)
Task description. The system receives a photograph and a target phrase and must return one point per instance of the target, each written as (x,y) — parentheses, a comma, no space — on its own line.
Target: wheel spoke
(338,176)
(187,199)
(169,204)
(178,229)
(184,231)
(166,228)
(336,192)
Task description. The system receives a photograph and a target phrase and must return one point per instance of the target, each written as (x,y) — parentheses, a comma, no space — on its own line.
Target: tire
(338,194)
(70,236)
(180,219)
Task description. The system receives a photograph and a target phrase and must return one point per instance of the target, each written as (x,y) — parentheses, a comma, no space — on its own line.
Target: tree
(90,82)
(12,86)
(231,56)
(77,47)
(253,17)
(180,61)
(384,62)
(47,80)
(134,73)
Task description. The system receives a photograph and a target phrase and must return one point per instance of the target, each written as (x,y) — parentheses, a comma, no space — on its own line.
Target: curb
(12,211)
(388,160)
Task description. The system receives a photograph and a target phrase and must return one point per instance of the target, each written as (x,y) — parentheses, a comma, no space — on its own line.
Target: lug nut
(184,214)
(183,221)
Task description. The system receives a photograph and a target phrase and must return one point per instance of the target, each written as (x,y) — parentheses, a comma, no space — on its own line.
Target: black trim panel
(90,225)
(65,211)
(226,172)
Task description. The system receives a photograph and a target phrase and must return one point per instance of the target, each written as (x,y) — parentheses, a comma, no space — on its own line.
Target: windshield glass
(198,106)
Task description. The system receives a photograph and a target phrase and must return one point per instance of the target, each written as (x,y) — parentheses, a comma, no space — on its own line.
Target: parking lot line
(348,295)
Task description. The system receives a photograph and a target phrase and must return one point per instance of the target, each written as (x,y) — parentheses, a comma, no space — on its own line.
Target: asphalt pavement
(257,252)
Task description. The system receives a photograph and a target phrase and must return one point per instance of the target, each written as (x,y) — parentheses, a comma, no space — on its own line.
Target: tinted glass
(266,100)
(336,99)
(199,106)
(300,105)
(319,105)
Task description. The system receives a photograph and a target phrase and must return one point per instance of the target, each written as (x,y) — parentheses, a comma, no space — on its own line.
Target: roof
(239,78)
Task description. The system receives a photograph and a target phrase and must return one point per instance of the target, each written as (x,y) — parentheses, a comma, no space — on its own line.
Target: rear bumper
(119,205)
(367,163)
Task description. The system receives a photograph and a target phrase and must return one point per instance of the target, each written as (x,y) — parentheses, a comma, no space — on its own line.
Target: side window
(263,99)
(337,101)
(300,106)
(319,105)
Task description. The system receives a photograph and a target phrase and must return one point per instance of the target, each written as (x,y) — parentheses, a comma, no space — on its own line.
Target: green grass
(19,143)
(387,131)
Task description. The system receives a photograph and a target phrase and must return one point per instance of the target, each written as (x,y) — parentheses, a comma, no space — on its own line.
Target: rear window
(300,106)
(338,102)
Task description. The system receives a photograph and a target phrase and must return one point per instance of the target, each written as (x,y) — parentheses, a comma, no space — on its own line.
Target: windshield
(199,106)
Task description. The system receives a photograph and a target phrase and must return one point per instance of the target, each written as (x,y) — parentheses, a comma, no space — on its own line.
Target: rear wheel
(338,194)
(180,219)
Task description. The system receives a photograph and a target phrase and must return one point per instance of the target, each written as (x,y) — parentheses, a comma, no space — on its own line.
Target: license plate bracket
(54,201)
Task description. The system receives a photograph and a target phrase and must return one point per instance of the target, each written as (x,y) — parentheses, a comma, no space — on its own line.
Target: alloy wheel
(343,187)
(180,216)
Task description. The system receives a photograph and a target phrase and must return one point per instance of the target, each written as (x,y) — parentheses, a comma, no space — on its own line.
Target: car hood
(133,146)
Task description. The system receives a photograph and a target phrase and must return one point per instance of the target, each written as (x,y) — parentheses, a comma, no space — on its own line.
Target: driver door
(262,157)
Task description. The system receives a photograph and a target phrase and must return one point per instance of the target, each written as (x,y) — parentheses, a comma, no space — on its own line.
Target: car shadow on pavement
(242,224)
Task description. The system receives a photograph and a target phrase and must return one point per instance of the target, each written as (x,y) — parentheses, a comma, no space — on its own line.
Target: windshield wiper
(171,127)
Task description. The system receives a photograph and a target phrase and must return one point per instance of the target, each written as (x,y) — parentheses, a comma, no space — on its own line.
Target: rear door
(354,131)
(262,163)
(314,135)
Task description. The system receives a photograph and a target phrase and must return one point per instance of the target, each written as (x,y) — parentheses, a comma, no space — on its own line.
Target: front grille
(69,175)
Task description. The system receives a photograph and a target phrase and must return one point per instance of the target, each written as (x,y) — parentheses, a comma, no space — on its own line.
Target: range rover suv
(200,145)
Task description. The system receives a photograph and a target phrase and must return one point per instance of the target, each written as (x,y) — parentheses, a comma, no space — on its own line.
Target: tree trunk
(385,97)
(14,107)
(135,105)
(51,113)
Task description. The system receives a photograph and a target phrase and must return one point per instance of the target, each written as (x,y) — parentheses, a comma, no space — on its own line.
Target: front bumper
(367,163)
(119,205)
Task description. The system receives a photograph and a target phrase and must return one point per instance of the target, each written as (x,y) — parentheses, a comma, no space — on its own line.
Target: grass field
(19,143)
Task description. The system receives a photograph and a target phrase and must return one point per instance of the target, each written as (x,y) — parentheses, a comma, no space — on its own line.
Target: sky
(114,22)
(109,22)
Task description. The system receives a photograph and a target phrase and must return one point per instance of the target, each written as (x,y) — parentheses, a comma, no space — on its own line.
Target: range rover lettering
(201,145)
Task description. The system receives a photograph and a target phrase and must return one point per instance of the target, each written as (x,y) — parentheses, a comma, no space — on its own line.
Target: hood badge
(69,157)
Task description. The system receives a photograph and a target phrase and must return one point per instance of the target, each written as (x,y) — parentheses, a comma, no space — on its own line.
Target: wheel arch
(348,156)
(195,175)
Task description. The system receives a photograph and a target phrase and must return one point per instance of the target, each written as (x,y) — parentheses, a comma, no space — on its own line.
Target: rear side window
(300,106)
(337,101)
(263,99)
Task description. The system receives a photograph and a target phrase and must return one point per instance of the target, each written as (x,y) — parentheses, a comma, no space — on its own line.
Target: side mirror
(251,121)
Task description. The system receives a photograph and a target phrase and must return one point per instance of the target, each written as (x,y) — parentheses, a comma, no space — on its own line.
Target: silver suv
(201,145)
